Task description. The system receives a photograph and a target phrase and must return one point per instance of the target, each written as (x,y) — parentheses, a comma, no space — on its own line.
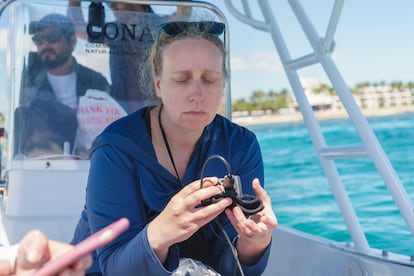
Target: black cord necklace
(164,136)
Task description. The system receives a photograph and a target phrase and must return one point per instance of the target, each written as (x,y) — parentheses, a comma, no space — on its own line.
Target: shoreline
(320,115)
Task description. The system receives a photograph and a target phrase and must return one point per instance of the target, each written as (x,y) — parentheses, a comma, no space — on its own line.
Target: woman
(147,166)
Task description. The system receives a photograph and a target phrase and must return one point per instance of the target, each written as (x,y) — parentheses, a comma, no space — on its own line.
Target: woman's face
(191,83)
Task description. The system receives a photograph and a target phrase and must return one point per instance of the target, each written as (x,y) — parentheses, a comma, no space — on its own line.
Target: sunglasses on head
(51,38)
(203,27)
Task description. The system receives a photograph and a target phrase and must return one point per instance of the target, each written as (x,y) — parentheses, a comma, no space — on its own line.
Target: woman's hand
(255,232)
(183,216)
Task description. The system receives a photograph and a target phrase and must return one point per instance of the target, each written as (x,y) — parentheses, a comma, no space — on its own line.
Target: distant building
(322,97)
(365,97)
(384,96)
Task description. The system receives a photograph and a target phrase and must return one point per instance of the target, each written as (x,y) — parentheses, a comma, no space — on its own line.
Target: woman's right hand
(183,215)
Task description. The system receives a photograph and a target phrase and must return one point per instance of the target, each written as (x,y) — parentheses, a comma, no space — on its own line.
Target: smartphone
(84,248)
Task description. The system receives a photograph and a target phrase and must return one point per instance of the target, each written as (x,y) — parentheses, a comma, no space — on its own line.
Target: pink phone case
(84,248)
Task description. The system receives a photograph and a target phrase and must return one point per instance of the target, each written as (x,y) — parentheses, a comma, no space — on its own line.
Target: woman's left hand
(255,232)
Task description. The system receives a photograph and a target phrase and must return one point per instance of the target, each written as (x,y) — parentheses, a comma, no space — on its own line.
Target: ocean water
(302,198)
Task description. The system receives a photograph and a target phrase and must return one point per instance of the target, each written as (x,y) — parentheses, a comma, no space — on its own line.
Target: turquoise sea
(302,198)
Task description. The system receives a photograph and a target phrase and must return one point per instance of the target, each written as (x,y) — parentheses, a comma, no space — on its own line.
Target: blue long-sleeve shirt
(126,180)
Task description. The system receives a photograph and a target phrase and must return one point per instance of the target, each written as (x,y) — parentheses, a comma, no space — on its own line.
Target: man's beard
(50,63)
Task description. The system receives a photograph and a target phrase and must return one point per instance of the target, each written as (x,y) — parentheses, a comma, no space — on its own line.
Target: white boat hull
(295,253)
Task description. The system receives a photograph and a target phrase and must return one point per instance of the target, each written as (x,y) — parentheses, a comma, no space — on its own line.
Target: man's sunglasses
(51,38)
(203,27)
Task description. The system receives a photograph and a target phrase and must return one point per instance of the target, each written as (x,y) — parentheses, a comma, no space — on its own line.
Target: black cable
(229,174)
(233,249)
(249,204)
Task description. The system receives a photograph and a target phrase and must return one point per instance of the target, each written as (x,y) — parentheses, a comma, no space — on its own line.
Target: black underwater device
(232,187)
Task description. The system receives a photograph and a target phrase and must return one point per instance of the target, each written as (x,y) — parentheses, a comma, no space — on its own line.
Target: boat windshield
(75,67)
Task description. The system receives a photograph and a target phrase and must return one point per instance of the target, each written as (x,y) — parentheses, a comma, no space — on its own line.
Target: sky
(374,41)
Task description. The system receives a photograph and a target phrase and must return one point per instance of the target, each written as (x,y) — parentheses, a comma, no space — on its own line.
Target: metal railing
(322,48)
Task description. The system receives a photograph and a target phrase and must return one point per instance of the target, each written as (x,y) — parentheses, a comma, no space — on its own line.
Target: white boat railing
(371,148)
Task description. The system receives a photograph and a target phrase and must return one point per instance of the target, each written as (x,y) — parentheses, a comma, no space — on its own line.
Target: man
(33,251)
(52,84)
(53,71)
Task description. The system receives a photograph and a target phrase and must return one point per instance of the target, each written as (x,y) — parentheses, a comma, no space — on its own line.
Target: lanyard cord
(164,136)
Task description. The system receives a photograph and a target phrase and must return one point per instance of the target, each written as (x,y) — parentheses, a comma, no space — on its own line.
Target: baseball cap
(55,21)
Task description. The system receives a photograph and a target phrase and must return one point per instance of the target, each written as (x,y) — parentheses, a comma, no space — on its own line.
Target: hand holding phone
(84,248)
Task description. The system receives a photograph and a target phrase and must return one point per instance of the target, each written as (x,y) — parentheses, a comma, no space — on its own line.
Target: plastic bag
(96,110)
(192,267)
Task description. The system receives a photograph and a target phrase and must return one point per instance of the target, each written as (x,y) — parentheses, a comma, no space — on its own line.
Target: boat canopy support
(322,47)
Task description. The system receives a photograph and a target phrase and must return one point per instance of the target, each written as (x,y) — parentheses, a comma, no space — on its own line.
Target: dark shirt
(42,124)
(35,83)
(126,180)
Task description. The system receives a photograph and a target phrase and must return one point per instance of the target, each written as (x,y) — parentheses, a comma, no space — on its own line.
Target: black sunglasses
(51,38)
(204,27)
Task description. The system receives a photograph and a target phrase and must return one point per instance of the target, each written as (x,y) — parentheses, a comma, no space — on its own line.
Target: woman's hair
(172,31)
